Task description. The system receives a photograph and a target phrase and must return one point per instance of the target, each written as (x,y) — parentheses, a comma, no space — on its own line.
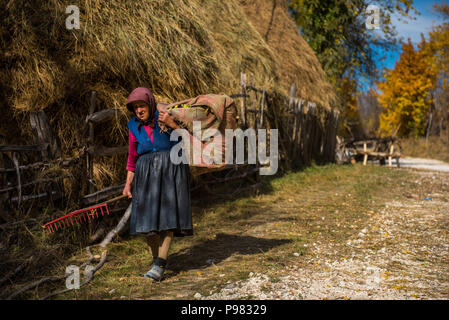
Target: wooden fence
(307,133)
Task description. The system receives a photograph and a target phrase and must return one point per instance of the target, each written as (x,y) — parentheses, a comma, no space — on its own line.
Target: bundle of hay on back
(213,114)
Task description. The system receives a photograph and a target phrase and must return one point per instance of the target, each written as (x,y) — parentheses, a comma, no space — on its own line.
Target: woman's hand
(166,119)
(127,191)
(128,184)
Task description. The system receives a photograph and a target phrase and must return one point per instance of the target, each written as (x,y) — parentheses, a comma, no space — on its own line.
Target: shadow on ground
(219,249)
(231,190)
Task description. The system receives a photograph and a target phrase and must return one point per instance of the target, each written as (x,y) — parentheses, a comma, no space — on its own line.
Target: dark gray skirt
(161,196)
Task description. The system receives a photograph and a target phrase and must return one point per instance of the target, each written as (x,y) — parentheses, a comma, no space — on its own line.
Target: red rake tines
(79,216)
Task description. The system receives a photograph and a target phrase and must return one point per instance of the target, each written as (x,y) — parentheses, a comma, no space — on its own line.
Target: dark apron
(161,196)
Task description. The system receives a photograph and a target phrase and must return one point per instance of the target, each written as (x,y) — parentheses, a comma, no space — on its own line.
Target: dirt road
(427,164)
(401,253)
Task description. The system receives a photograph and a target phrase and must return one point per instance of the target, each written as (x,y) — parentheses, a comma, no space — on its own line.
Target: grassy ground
(259,234)
(437,148)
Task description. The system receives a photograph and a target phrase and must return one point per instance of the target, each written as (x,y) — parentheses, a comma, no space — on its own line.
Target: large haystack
(178,48)
(296,61)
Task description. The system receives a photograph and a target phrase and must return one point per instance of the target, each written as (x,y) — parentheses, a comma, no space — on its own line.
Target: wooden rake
(80,216)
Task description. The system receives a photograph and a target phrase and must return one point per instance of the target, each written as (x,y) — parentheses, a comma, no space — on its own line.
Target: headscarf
(143,94)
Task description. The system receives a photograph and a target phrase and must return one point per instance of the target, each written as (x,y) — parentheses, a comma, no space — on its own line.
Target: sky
(414,28)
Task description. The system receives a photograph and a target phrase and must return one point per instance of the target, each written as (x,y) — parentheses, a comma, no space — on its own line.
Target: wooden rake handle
(123,196)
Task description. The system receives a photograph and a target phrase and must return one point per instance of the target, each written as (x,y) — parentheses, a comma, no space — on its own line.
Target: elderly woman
(159,189)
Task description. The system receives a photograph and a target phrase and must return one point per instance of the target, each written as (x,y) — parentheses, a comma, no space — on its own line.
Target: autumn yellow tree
(348,51)
(406,94)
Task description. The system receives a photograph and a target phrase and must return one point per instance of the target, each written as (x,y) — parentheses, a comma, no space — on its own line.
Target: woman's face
(142,110)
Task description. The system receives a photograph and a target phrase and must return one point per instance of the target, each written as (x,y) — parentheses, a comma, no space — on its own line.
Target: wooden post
(300,128)
(90,162)
(292,106)
(335,115)
(256,123)
(284,149)
(41,129)
(311,129)
(292,122)
(330,157)
(253,103)
(365,157)
(326,136)
(305,133)
(297,128)
(19,184)
(398,153)
(390,156)
(317,133)
(243,105)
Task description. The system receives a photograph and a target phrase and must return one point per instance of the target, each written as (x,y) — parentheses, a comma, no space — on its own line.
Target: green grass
(257,234)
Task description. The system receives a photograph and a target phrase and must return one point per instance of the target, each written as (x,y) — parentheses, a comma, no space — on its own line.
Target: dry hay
(179,49)
(296,61)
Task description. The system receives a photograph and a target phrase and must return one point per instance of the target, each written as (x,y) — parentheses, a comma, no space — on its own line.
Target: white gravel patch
(428,164)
